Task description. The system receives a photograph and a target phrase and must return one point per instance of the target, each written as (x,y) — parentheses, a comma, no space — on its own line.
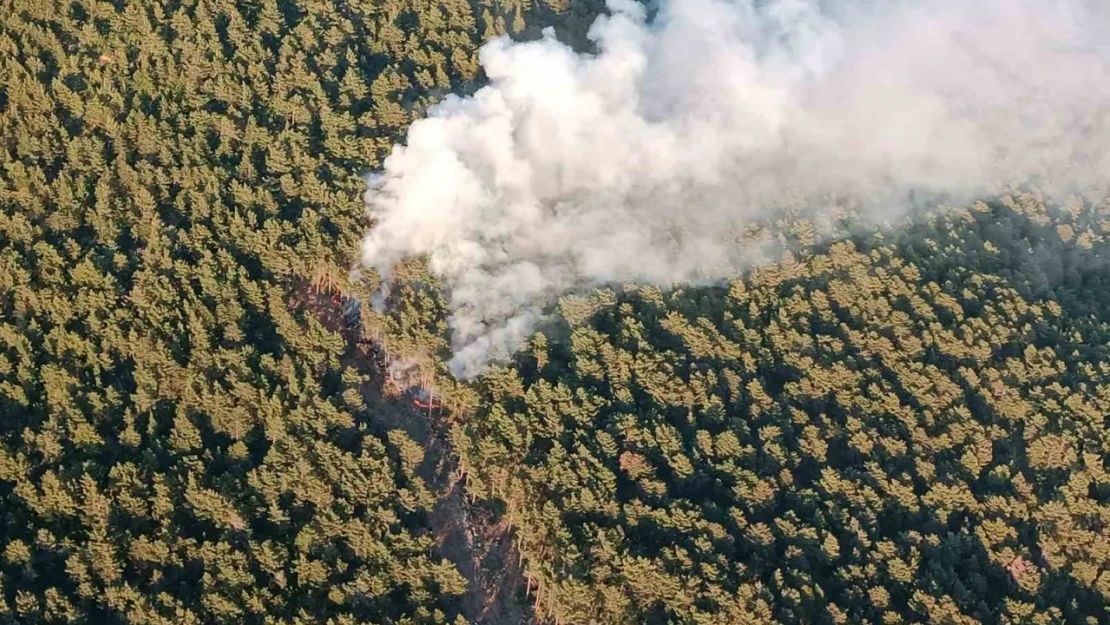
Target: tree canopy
(183,432)
(201,422)
(907,429)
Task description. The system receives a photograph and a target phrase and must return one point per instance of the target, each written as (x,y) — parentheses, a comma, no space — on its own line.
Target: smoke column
(642,161)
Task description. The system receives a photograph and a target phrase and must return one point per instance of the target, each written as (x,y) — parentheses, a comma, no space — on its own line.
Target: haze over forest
(411,312)
(646,158)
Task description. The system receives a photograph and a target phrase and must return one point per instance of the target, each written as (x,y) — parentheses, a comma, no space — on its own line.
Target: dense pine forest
(201,420)
(185,437)
(903,431)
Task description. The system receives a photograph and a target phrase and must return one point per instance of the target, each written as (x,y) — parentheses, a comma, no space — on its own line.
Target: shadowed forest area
(202,422)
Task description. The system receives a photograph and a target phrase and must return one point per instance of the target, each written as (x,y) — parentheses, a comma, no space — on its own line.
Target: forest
(201,422)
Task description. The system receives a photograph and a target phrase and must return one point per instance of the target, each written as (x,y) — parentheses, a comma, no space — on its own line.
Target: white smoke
(643,161)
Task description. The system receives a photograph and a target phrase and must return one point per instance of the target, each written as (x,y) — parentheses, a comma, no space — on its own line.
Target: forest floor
(466,533)
(481,548)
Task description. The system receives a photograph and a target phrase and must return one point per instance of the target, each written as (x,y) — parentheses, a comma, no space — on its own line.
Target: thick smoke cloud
(643,161)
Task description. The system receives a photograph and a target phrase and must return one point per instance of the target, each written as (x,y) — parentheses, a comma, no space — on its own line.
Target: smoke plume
(643,160)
